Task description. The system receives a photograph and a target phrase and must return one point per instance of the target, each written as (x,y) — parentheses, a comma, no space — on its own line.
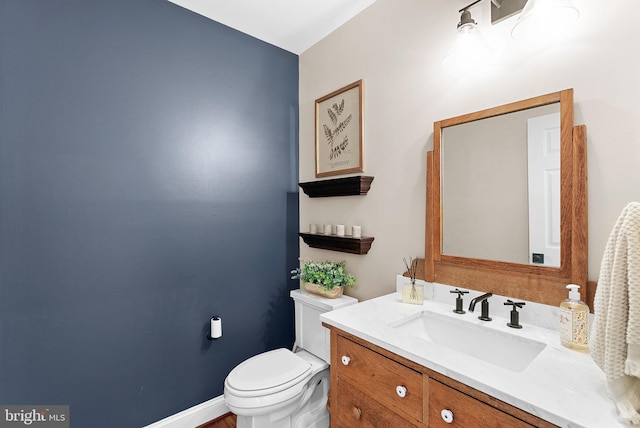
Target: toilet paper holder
(215,329)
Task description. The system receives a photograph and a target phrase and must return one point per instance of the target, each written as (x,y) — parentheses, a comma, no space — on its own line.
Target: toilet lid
(274,370)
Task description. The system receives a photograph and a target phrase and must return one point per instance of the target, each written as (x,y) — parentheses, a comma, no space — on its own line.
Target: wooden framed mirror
(472,171)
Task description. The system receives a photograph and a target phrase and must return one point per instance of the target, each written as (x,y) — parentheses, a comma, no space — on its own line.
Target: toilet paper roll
(216,327)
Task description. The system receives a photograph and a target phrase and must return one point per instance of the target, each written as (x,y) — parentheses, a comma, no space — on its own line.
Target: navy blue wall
(148,168)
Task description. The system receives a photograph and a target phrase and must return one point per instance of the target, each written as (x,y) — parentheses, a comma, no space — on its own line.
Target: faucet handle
(459,303)
(515,316)
(518,304)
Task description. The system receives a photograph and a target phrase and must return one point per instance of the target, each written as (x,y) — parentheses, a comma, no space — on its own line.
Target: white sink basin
(500,348)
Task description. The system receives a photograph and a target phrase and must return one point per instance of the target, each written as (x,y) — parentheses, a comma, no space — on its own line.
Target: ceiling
(293,25)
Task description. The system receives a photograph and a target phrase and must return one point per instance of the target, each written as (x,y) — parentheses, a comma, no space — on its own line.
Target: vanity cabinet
(372,387)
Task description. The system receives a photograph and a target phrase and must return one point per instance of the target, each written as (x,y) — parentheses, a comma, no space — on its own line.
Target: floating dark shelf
(345,244)
(348,186)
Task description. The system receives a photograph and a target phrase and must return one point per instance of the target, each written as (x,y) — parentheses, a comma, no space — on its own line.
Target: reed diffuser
(411,292)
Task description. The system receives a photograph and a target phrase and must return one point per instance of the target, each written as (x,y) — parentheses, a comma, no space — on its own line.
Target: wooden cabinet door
(381,378)
(466,411)
(356,408)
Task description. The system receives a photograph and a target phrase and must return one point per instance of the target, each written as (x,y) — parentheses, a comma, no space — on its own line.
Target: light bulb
(468,50)
(544,19)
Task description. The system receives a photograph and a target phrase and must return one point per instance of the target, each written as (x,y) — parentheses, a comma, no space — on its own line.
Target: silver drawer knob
(345,360)
(447,416)
(401,391)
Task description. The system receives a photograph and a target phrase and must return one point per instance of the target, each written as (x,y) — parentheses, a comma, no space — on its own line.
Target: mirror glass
(500,187)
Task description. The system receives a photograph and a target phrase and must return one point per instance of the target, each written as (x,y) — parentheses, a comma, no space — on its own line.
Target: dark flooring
(224,421)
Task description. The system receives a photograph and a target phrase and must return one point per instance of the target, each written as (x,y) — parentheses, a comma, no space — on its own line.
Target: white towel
(615,335)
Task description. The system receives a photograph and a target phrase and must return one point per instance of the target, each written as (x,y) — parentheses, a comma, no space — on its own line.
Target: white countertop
(562,386)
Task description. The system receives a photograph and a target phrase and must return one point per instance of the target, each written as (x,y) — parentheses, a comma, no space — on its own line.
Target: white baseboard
(194,416)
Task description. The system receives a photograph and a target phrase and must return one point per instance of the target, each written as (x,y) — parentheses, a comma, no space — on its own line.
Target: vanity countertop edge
(562,386)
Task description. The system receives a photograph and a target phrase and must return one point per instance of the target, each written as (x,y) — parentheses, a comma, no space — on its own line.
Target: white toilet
(285,389)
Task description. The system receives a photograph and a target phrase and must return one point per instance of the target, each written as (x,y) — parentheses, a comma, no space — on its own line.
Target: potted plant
(326,279)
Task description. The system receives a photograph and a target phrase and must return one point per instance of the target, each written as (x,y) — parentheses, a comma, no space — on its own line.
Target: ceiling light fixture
(539,19)
(468,49)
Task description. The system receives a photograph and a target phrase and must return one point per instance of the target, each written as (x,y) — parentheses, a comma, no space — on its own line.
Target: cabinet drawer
(380,378)
(357,409)
(467,411)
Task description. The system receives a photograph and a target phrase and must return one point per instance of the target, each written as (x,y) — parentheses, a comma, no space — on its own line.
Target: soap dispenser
(574,321)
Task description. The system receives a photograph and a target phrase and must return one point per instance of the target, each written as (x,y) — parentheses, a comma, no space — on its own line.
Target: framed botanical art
(339,129)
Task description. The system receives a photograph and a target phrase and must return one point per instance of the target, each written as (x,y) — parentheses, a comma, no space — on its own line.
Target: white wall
(397,47)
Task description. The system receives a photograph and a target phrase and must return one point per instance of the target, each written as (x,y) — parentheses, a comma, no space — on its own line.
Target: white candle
(356,231)
(313,228)
(340,229)
(327,229)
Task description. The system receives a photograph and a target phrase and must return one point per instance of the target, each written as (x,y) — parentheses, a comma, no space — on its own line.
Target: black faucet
(484,315)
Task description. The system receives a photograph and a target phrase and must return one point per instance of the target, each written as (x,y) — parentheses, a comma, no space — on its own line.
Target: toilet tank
(310,334)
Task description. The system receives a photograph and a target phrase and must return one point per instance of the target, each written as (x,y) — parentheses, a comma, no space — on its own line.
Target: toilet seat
(268,373)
